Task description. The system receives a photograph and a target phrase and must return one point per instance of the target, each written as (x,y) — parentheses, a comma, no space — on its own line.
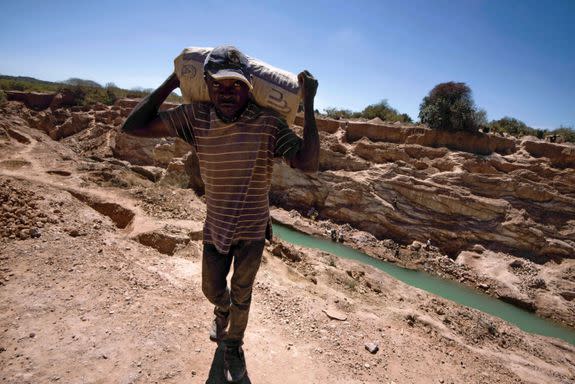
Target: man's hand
(308,85)
(307,158)
(144,120)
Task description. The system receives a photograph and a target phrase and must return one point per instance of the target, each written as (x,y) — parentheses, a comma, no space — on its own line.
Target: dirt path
(85,302)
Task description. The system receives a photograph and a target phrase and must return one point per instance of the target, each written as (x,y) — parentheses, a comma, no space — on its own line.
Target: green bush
(78,94)
(335,113)
(515,128)
(111,95)
(384,112)
(2,97)
(511,126)
(449,106)
(567,133)
(381,110)
(540,133)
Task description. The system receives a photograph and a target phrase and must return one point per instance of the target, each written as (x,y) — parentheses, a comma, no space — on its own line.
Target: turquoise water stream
(445,288)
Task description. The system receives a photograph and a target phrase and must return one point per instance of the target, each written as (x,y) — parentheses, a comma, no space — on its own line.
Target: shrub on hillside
(2,97)
(515,128)
(335,113)
(381,110)
(511,126)
(77,94)
(449,106)
(567,133)
(384,112)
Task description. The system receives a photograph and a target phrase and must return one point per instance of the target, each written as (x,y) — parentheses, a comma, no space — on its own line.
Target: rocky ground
(100,281)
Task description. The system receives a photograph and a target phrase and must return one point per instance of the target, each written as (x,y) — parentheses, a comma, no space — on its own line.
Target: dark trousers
(234,301)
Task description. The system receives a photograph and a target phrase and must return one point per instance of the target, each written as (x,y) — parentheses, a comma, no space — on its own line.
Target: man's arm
(307,158)
(144,120)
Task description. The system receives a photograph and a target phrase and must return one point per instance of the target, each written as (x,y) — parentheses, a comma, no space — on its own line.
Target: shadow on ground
(216,375)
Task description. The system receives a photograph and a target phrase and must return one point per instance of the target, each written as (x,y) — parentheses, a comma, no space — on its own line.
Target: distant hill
(82,82)
(26,79)
(85,91)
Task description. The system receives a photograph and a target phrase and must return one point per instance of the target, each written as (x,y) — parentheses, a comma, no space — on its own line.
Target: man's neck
(233,119)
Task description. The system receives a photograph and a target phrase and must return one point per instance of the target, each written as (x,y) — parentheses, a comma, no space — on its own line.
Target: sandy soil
(87,299)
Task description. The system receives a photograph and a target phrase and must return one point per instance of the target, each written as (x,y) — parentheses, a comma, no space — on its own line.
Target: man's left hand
(308,85)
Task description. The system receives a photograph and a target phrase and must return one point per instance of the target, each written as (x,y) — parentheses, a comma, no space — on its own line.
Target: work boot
(218,329)
(234,363)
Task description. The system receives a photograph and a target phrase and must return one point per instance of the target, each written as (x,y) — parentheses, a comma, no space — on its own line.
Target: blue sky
(518,56)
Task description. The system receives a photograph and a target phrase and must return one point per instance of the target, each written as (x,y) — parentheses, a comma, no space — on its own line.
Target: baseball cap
(227,62)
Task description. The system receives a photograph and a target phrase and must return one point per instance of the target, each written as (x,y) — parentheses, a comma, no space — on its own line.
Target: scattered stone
(335,315)
(521,302)
(538,283)
(478,248)
(372,347)
(516,264)
(416,245)
(411,319)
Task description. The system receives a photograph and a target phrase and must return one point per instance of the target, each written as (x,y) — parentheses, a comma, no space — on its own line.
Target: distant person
(340,236)
(236,142)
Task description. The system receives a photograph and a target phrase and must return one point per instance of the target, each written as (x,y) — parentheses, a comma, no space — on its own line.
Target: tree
(406,118)
(112,92)
(449,106)
(384,112)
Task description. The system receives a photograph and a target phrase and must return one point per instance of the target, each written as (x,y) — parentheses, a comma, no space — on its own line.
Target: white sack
(273,88)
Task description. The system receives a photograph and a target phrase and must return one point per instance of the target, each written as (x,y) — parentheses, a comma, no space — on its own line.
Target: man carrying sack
(236,142)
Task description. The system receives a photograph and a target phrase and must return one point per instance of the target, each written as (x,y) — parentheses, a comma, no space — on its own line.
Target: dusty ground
(85,301)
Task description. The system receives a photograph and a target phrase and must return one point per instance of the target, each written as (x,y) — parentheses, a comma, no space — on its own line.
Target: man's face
(230,97)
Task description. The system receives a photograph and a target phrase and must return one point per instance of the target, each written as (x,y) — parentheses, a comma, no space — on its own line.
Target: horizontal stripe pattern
(236,163)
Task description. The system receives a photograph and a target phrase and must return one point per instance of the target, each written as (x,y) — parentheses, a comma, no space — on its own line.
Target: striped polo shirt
(236,164)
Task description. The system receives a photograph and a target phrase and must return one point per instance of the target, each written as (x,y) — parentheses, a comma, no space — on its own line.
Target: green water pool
(450,290)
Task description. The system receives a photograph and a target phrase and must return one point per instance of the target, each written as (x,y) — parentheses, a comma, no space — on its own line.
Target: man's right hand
(144,120)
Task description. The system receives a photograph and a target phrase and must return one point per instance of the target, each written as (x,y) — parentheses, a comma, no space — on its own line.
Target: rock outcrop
(34,100)
(41,100)
(456,190)
(401,182)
